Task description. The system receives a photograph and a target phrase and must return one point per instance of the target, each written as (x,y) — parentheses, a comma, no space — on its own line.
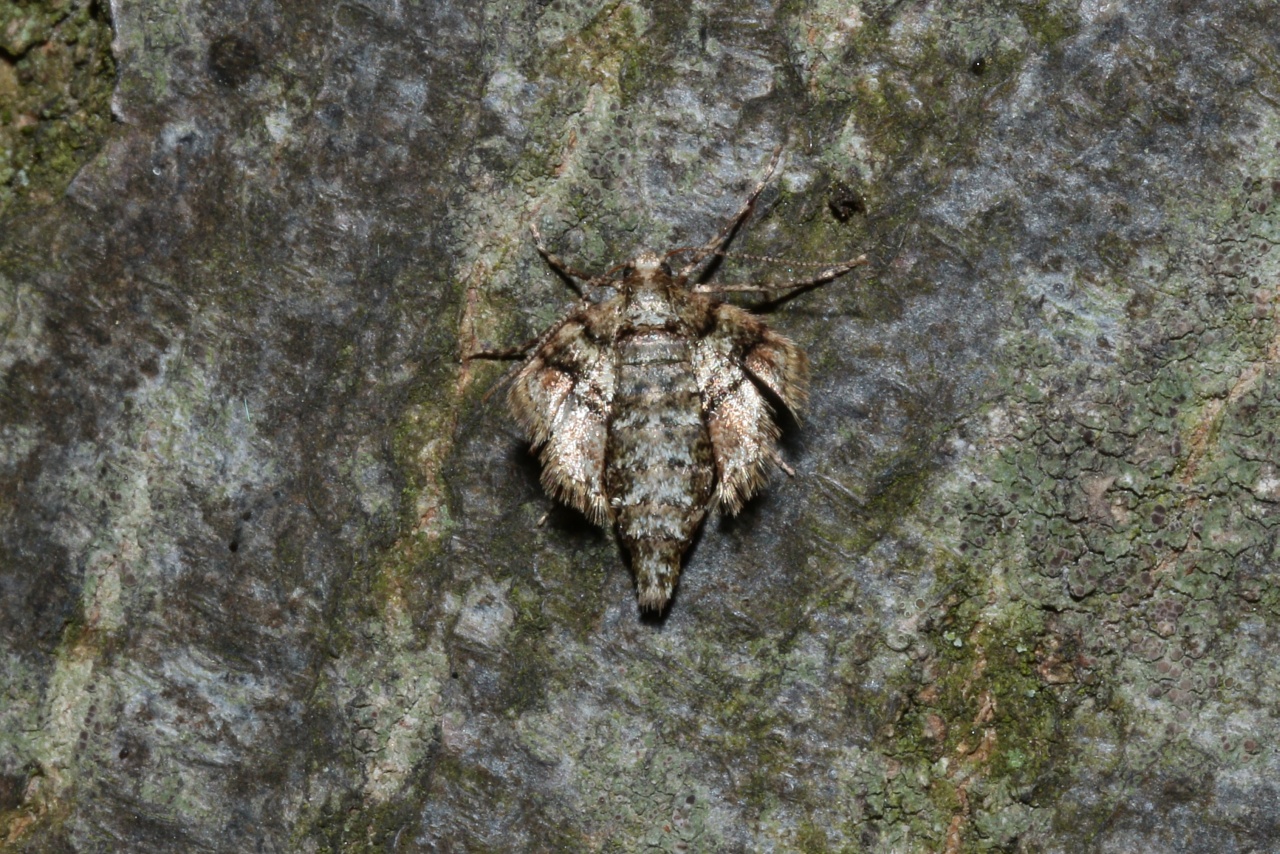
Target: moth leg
(518,354)
(700,253)
(781,463)
(506,377)
(798,284)
(504,354)
(569,274)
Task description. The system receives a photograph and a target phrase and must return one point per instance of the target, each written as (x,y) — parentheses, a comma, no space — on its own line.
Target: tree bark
(276,569)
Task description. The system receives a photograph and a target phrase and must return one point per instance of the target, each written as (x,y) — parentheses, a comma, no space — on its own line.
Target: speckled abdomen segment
(660,473)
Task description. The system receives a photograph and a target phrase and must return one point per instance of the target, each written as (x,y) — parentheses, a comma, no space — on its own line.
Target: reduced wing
(562,398)
(738,353)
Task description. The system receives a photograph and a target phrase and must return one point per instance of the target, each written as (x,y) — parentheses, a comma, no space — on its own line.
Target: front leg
(716,245)
(794,285)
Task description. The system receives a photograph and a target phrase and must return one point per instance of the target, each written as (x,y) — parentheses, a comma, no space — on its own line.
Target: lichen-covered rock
(56,78)
(276,573)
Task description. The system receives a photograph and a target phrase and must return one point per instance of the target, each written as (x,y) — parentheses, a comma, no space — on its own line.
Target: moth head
(646,265)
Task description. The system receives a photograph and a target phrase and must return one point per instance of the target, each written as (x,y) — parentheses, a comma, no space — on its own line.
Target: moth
(649,406)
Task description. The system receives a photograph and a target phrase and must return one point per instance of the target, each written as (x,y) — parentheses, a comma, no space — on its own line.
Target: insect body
(649,407)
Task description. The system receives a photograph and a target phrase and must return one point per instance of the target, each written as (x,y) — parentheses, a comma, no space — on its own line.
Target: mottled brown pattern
(649,407)
(563,397)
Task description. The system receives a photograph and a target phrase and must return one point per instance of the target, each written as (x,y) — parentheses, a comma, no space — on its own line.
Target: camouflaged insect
(648,407)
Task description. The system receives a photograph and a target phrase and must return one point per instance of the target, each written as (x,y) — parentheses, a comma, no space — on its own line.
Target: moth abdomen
(656,564)
(660,472)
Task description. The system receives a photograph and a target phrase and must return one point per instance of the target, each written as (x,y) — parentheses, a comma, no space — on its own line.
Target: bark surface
(272,572)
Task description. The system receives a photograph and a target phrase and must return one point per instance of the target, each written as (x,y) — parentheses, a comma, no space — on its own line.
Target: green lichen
(56,79)
(1049,22)
(984,720)
(1122,510)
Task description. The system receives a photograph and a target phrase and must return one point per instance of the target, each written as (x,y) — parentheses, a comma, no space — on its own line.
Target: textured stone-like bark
(271,573)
